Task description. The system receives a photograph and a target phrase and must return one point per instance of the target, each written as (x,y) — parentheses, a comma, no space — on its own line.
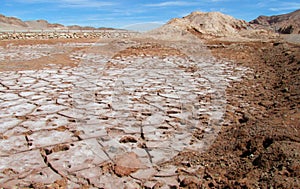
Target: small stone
(285,90)
(189,181)
(186,163)
(266,103)
(127,163)
(126,139)
(245,118)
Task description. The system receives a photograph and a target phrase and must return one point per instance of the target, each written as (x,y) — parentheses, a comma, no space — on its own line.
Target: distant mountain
(143,27)
(43,24)
(12,23)
(285,23)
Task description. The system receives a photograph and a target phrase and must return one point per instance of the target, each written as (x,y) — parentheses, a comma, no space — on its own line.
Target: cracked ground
(117,114)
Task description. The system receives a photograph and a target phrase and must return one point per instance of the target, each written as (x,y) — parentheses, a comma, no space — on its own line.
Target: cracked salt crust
(151,99)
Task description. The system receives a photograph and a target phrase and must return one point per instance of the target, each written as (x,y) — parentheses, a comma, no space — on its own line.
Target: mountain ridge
(285,23)
(13,23)
(204,23)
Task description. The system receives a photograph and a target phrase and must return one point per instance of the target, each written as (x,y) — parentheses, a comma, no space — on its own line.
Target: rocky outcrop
(209,25)
(215,23)
(285,23)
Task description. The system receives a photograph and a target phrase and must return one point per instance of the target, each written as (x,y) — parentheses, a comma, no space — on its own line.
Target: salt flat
(66,121)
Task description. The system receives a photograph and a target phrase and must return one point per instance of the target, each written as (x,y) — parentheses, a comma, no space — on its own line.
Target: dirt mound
(259,148)
(285,23)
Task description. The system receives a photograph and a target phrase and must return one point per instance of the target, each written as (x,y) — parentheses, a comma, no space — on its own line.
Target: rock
(168,182)
(205,24)
(126,139)
(189,181)
(245,118)
(127,163)
(266,103)
(285,23)
(150,184)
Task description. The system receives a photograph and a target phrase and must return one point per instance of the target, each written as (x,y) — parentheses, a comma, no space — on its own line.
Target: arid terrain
(285,24)
(183,106)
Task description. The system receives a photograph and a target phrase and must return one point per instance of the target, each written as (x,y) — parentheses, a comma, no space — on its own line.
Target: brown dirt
(40,63)
(149,49)
(260,148)
(60,59)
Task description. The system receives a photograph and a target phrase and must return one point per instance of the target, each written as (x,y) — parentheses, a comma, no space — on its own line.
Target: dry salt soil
(139,113)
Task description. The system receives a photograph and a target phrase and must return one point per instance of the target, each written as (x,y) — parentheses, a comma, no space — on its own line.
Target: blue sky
(123,13)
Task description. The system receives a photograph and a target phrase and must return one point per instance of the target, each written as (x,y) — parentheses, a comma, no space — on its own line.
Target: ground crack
(104,150)
(144,145)
(45,158)
(43,153)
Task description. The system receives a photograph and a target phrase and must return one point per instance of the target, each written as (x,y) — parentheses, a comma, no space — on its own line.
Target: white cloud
(277,6)
(284,6)
(36,1)
(170,3)
(223,10)
(72,3)
(84,3)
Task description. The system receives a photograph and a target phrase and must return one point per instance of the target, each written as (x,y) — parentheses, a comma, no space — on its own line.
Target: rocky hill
(209,25)
(12,23)
(285,23)
(214,23)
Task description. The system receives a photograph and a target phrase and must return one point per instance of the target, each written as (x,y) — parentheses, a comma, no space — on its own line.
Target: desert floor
(149,113)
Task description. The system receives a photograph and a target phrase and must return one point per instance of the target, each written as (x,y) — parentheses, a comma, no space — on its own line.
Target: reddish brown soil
(149,49)
(260,148)
(40,63)
(61,59)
